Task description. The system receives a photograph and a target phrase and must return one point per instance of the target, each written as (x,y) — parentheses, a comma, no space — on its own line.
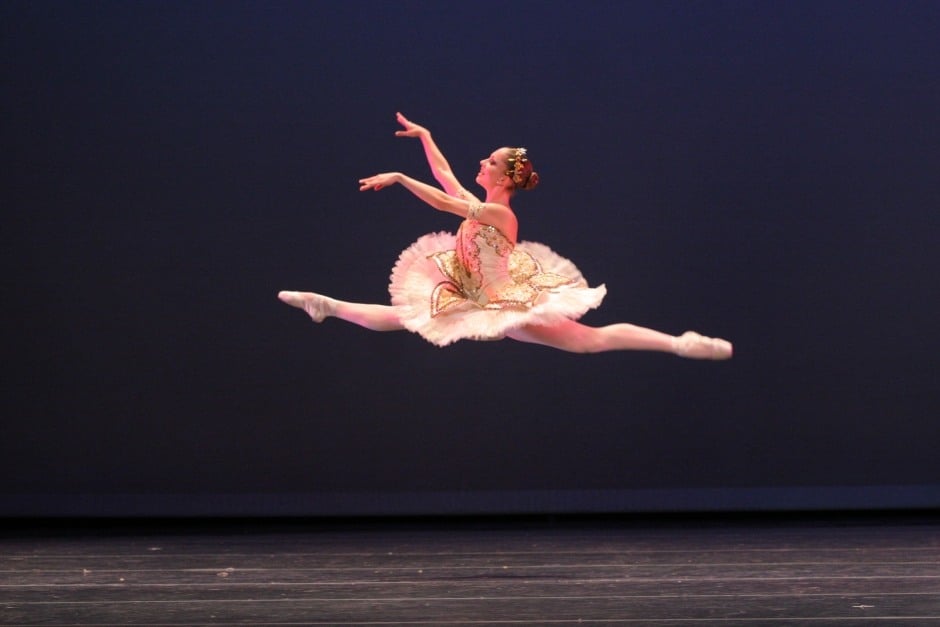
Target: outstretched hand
(377,182)
(411,129)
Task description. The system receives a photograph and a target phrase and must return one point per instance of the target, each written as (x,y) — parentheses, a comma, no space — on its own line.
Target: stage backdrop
(765,172)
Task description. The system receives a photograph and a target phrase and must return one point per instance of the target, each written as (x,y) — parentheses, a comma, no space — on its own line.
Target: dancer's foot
(317,306)
(694,346)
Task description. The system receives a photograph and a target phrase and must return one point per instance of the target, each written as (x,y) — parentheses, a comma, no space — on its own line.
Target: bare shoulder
(502,217)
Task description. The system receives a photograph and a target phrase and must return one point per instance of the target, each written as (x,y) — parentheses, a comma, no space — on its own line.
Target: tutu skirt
(541,288)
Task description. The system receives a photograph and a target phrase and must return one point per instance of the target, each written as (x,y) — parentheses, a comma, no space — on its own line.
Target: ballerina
(481,283)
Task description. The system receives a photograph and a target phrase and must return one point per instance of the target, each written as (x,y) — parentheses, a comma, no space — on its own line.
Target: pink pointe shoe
(317,306)
(694,346)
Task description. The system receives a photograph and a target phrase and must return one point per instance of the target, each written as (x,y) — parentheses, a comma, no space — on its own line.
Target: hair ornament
(517,161)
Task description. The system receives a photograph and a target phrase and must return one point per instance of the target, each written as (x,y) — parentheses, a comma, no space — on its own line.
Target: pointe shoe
(317,306)
(694,346)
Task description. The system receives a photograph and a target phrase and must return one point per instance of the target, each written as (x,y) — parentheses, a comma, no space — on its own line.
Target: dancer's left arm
(440,168)
(494,214)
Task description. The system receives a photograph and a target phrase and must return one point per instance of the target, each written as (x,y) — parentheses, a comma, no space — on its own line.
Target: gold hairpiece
(517,165)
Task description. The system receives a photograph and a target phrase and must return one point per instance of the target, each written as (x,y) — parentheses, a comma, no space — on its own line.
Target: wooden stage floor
(771,570)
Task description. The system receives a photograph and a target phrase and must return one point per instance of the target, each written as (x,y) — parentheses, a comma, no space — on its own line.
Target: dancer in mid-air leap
(482,284)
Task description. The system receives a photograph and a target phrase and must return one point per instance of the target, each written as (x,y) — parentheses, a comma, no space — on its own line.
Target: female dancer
(481,283)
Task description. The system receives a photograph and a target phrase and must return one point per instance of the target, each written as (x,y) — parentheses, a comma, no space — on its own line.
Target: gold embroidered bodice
(487,270)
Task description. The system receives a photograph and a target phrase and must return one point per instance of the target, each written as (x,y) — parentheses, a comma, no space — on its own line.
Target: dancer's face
(493,169)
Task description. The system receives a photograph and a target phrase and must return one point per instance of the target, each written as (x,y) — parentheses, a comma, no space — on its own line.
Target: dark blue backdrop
(765,172)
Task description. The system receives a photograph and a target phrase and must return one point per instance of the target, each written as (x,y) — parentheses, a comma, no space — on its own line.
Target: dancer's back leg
(319,307)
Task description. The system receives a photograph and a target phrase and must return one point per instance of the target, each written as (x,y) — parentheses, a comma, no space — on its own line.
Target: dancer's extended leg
(319,307)
(579,338)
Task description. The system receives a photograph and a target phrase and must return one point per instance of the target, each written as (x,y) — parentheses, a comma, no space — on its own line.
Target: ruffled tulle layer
(415,276)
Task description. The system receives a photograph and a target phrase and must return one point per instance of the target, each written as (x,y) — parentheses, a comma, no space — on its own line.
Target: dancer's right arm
(494,214)
(436,160)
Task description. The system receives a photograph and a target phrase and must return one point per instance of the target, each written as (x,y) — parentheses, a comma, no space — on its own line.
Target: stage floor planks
(784,570)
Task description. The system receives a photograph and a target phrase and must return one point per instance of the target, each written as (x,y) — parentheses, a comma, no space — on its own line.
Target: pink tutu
(476,285)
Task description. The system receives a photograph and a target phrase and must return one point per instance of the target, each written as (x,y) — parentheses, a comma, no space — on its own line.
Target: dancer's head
(509,168)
